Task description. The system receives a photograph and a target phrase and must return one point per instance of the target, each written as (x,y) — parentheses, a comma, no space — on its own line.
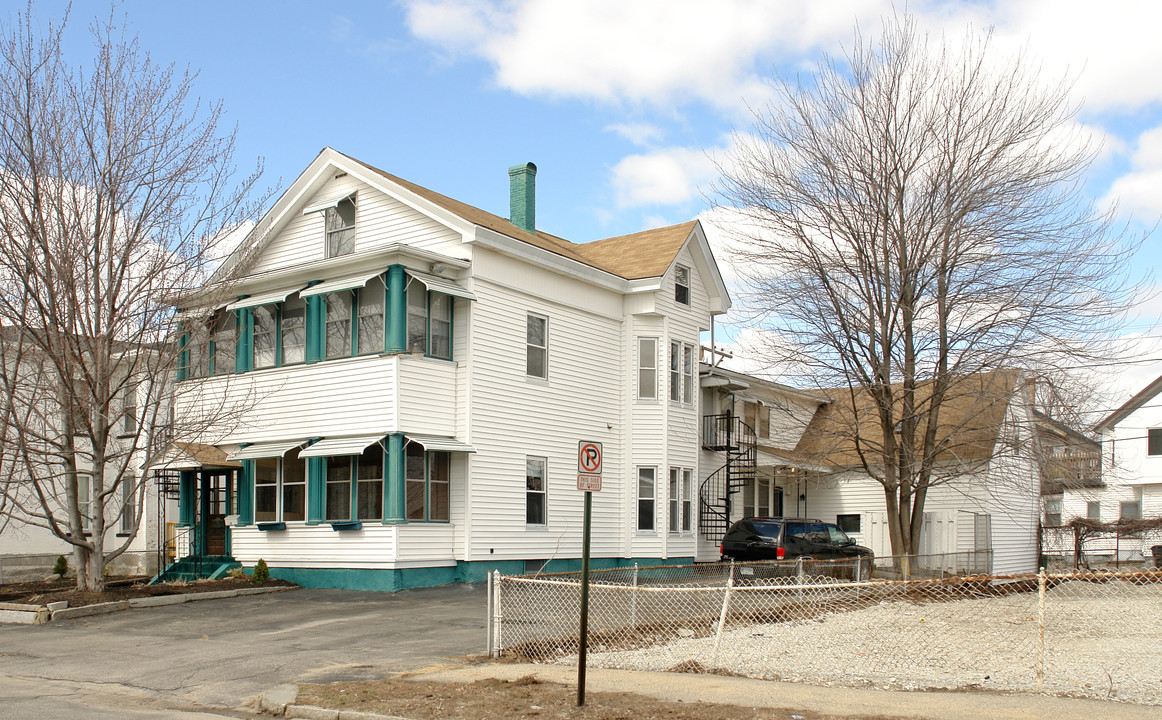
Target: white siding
(314,546)
(380,220)
(512,416)
(428,395)
(350,396)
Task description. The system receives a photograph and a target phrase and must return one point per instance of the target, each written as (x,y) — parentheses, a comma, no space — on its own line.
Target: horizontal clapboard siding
(380,220)
(428,395)
(333,398)
(312,546)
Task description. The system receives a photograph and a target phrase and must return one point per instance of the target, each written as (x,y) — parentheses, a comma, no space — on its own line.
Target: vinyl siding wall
(380,220)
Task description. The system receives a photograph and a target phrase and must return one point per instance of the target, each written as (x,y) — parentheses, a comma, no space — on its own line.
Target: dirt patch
(526,697)
(40,593)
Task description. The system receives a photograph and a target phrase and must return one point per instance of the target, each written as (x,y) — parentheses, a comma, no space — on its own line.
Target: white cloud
(665,177)
(661,52)
(643,134)
(1138,191)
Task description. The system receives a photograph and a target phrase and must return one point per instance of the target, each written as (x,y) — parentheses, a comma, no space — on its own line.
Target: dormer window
(682,284)
(341,228)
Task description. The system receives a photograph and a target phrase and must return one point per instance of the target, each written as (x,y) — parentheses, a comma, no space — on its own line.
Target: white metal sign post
(589,458)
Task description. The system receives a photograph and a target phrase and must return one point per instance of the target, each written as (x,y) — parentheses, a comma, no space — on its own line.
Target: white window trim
(545,347)
(678,271)
(653,368)
(674,372)
(653,530)
(689,387)
(544,492)
(678,501)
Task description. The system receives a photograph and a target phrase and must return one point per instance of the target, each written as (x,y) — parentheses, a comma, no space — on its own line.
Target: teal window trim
(186,497)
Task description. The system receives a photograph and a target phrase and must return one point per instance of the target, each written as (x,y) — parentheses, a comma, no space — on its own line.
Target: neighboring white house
(414,376)
(805,464)
(28,547)
(1131,487)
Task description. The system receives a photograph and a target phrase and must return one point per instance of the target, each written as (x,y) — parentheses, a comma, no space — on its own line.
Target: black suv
(788,539)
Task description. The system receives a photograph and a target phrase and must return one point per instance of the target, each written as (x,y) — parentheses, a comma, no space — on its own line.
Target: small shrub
(61,567)
(236,573)
(261,572)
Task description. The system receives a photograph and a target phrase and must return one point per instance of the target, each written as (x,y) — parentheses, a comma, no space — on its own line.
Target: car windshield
(767,530)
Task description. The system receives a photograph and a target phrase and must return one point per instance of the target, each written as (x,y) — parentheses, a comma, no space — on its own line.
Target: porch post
(393,497)
(396,309)
(186,498)
(316,489)
(203,512)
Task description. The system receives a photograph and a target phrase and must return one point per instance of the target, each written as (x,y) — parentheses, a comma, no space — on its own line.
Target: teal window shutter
(246,493)
(183,356)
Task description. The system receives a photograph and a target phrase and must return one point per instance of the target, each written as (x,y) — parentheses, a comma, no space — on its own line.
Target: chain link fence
(27,568)
(1094,635)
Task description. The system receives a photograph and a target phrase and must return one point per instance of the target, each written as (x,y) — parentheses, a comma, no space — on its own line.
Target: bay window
(426,484)
(293,331)
(370,312)
(338,325)
(265,325)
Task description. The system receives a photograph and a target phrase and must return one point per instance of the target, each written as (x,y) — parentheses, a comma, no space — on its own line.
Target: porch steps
(195,567)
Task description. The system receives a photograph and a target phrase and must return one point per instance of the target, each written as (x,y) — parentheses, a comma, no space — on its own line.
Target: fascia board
(275,279)
(549,260)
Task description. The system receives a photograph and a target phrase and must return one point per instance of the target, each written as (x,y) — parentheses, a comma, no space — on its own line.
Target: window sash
(338,325)
(536,346)
(536,497)
(293,332)
(687,503)
(688,374)
(225,339)
(294,488)
(417,317)
(338,490)
(265,327)
(128,502)
(340,224)
(1154,441)
(1093,510)
(646,479)
(129,408)
(674,500)
(372,317)
(440,325)
(682,285)
(647,368)
(266,490)
(675,372)
(369,484)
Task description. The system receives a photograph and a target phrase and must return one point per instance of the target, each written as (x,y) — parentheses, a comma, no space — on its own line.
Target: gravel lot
(1102,640)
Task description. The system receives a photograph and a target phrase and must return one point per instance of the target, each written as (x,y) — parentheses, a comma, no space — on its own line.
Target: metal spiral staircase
(724,433)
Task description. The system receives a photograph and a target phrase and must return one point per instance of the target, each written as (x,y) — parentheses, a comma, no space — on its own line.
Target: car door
(820,540)
(795,539)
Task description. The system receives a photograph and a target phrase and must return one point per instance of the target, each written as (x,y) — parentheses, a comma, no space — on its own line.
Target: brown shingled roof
(639,255)
(643,254)
(971,417)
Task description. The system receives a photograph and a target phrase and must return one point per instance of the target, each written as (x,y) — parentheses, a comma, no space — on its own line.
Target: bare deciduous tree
(914,217)
(118,189)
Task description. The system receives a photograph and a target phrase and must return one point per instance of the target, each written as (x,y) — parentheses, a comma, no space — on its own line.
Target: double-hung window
(675,372)
(688,374)
(129,408)
(293,331)
(225,341)
(197,350)
(280,484)
(338,488)
(265,326)
(426,484)
(537,346)
(128,504)
(338,330)
(681,485)
(358,477)
(682,284)
(370,327)
(429,321)
(341,228)
(646,493)
(536,501)
(647,368)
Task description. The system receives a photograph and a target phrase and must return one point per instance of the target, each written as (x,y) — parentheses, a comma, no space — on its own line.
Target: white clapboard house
(772,450)
(410,378)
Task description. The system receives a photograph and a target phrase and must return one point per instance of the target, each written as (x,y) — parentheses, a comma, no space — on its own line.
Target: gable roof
(629,257)
(1141,398)
(971,418)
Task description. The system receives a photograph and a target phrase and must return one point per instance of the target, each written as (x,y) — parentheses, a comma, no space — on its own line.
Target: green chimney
(522,196)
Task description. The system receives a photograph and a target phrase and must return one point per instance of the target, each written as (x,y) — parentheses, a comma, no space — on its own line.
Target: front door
(219,493)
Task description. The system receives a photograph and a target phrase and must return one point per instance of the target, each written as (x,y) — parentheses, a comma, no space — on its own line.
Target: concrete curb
(17,613)
(281,701)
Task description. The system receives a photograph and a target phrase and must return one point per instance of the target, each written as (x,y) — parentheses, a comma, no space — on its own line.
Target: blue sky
(622,105)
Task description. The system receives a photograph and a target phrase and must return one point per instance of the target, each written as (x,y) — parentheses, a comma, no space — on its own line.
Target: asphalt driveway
(221,653)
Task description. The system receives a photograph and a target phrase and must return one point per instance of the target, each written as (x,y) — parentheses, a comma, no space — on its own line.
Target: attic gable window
(682,284)
(340,223)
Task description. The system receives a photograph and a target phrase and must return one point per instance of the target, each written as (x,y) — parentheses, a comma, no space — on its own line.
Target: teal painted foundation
(462,572)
